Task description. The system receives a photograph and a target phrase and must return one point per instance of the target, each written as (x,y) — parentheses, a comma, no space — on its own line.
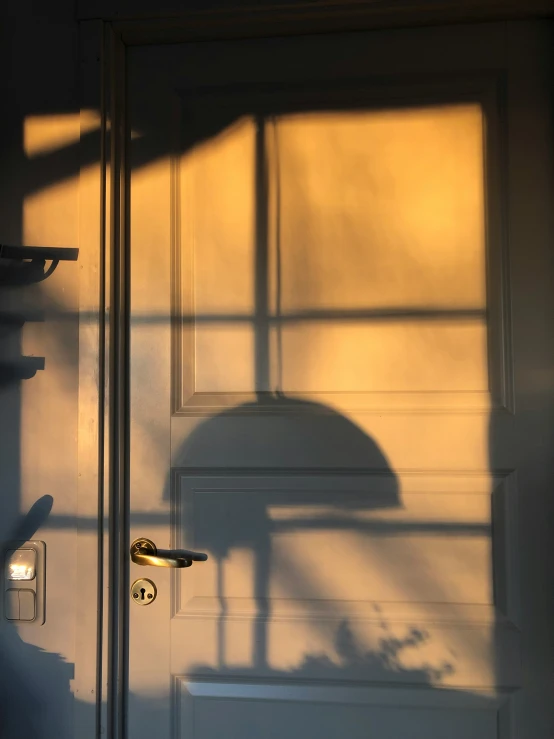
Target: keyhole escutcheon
(143,592)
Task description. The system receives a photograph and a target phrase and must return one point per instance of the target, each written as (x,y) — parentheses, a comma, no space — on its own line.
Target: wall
(38,414)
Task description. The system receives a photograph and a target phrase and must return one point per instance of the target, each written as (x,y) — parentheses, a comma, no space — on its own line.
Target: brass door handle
(144,552)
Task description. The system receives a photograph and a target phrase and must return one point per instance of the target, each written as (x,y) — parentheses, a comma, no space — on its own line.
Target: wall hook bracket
(45,253)
(25,264)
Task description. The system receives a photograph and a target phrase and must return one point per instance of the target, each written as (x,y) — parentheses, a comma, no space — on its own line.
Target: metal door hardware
(143,592)
(144,552)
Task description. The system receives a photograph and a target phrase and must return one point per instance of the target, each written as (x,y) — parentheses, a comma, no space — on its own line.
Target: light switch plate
(24,600)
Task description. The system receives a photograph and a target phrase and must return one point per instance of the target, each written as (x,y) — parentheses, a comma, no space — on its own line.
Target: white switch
(11,604)
(21,564)
(27,609)
(24,583)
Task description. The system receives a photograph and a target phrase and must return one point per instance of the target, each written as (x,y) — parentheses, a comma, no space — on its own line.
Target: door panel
(339,391)
(269,711)
(334,576)
(353,178)
(410,283)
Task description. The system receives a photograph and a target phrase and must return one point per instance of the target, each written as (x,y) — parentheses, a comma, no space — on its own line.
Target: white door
(342,385)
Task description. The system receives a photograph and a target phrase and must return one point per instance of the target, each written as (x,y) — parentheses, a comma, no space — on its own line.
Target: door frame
(103,495)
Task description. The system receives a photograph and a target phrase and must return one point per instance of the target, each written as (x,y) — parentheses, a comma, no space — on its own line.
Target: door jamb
(100,669)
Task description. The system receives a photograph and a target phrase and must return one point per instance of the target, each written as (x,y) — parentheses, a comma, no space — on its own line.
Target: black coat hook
(25,265)
(45,253)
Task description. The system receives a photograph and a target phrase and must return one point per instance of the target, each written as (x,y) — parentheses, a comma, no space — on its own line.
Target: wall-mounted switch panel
(24,582)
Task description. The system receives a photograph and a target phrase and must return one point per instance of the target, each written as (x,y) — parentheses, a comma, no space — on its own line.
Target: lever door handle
(144,552)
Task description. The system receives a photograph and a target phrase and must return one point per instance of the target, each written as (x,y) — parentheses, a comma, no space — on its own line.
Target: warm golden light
(375,245)
(381,247)
(47,133)
(219,212)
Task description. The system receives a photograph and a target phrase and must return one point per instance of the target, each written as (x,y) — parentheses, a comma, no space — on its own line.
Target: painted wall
(39,128)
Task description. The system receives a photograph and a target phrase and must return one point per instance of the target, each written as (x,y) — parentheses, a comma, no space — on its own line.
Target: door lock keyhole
(143,591)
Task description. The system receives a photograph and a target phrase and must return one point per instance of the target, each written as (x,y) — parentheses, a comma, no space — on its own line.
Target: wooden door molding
(102,522)
(142,21)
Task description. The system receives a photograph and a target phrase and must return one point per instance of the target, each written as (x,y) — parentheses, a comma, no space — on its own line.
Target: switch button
(11,604)
(27,609)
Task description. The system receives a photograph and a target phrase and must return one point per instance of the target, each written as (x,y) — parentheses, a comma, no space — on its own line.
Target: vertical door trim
(90,482)
(101,654)
(117,409)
